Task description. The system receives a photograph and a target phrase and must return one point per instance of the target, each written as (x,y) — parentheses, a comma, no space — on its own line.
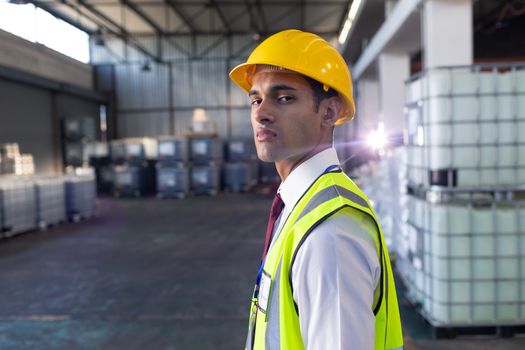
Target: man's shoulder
(348,226)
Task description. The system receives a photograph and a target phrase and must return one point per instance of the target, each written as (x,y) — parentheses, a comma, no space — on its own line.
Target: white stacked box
(24,164)
(201,124)
(470,260)
(50,200)
(473,122)
(18,206)
(9,152)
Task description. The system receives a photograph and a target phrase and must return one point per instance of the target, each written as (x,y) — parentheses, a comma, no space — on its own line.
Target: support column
(394,70)
(367,115)
(447,33)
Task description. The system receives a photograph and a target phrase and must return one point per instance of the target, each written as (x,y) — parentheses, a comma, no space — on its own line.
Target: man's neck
(286,166)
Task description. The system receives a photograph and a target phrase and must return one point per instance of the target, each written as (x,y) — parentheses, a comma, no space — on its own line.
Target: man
(325,281)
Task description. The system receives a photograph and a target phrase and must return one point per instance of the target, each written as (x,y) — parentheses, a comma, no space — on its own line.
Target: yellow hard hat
(304,53)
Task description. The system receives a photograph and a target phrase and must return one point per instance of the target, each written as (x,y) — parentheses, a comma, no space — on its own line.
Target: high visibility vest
(274,320)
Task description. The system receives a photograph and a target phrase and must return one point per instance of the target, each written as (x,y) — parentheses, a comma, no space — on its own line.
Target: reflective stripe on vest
(278,327)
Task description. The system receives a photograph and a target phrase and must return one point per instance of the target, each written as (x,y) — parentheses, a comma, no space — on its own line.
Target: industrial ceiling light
(349,21)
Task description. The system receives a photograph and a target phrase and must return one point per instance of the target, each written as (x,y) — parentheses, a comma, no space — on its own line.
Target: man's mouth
(265,135)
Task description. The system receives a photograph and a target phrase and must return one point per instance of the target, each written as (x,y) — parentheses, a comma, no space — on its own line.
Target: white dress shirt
(336,270)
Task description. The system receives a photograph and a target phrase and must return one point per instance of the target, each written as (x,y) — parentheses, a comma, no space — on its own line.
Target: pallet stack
(51,201)
(240,171)
(76,132)
(134,166)
(268,173)
(206,154)
(80,195)
(173,170)
(98,156)
(18,210)
(464,263)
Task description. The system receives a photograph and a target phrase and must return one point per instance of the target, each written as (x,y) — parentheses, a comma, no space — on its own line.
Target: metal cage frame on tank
(464,126)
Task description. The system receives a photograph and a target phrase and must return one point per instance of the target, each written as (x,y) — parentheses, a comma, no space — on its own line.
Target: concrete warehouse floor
(151,274)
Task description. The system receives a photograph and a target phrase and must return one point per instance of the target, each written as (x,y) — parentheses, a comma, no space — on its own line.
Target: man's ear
(332,107)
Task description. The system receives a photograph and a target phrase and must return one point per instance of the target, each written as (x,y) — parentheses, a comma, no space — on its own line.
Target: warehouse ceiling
(130,19)
(173,17)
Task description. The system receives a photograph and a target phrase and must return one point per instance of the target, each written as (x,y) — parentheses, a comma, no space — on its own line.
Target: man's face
(286,126)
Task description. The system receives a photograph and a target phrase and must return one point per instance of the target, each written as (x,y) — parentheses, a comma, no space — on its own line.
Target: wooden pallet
(451,332)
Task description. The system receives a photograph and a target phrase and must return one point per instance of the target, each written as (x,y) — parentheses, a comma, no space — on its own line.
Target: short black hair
(319,93)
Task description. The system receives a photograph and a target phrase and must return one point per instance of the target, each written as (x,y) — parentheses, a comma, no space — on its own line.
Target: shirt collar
(296,184)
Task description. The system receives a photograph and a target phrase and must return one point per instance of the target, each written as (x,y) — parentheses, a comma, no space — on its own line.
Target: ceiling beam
(221,16)
(263,16)
(174,7)
(253,24)
(135,8)
(213,45)
(122,33)
(303,14)
(286,13)
(331,13)
(101,15)
(46,6)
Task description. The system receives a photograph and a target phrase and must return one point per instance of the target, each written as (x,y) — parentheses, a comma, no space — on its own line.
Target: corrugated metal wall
(28,116)
(195,75)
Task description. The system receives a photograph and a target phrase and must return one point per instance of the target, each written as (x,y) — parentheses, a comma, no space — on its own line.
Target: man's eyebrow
(281,87)
(274,88)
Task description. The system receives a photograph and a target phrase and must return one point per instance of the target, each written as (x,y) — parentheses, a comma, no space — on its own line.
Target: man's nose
(263,113)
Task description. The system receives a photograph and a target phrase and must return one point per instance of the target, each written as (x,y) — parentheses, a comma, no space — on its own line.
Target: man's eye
(255,102)
(284,99)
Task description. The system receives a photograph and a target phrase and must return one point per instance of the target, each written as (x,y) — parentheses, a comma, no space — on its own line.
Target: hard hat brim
(239,75)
